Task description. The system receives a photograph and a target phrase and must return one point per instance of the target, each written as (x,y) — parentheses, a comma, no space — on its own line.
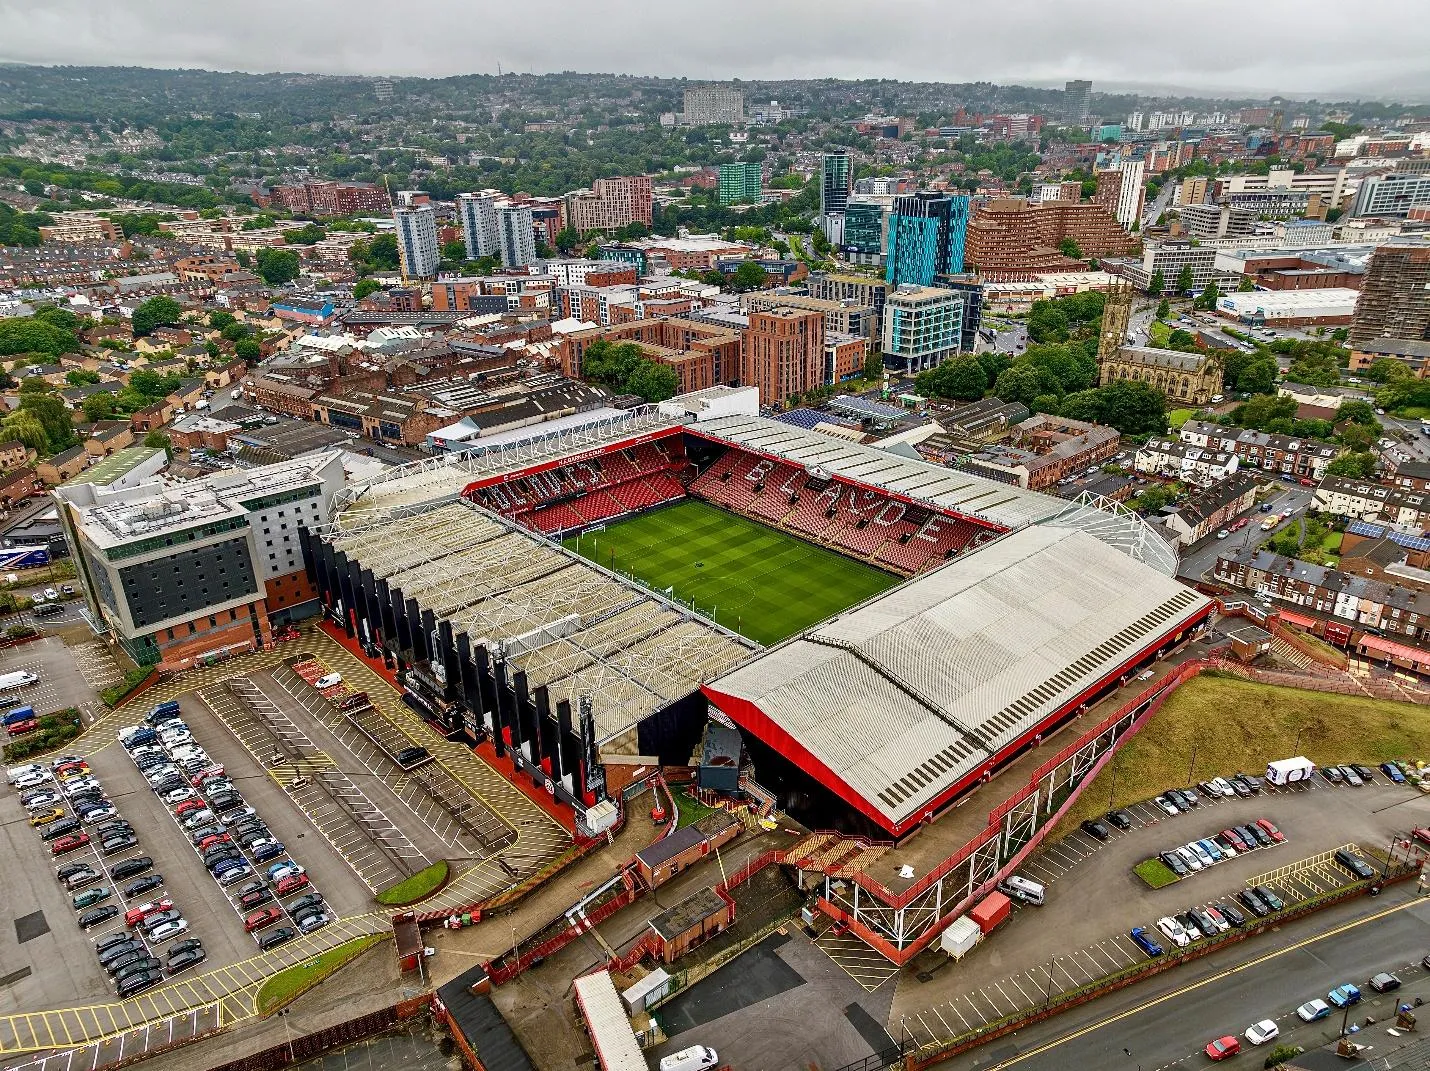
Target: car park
(273,938)
(1344,995)
(1384,982)
(1223,1048)
(1262,1032)
(1145,941)
(141,885)
(1313,1010)
(1354,863)
(90,897)
(97,916)
(131,867)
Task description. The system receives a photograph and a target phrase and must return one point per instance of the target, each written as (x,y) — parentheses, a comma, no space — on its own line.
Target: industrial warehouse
(455,571)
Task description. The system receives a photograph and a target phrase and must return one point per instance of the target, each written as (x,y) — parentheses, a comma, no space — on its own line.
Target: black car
(225,801)
(1354,863)
(306,912)
(116,844)
(85,875)
(169,784)
(1263,838)
(188,944)
(1253,903)
(189,957)
(1251,781)
(257,898)
(203,833)
(411,756)
(1174,863)
(253,835)
(1248,836)
(307,900)
(108,941)
(221,854)
(69,870)
(131,867)
(139,886)
(148,963)
(1269,898)
(1204,922)
(1187,799)
(1332,774)
(1366,773)
(98,916)
(1096,830)
(136,984)
(1121,819)
(117,825)
(1231,914)
(1239,785)
(1207,789)
(117,963)
(1384,982)
(250,886)
(274,938)
(127,946)
(59,827)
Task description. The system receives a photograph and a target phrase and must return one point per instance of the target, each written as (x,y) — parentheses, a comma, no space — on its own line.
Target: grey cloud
(1294,47)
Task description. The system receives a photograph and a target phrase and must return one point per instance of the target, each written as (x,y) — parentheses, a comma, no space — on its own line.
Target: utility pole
(1192,766)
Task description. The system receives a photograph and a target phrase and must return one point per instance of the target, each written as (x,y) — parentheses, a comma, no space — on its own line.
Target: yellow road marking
(1190,987)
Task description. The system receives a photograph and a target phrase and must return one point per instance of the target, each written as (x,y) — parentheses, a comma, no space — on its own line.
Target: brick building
(610,204)
(1043,450)
(703,355)
(1305,459)
(326,198)
(1009,238)
(782,353)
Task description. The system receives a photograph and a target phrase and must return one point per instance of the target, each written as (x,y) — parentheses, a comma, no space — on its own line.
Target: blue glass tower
(926,236)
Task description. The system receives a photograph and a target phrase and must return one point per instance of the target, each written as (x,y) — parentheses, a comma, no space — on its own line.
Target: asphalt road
(1200,558)
(1152,1026)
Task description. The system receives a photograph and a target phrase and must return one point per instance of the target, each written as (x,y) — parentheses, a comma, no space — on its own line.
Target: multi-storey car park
(1036,608)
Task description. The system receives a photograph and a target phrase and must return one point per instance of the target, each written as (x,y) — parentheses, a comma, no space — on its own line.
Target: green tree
(632,230)
(308,234)
(51,411)
(364,287)
(98,406)
(653,381)
(154,312)
(25,334)
(1157,283)
(568,239)
(1246,286)
(156,440)
(1268,412)
(27,428)
(1358,412)
(962,378)
(1182,340)
(1047,322)
(218,319)
(277,266)
(1133,408)
(1208,298)
(64,319)
(248,348)
(1184,279)
(1257,376)
(1153,499)
(874,368)
(748,276)
(1358,466)
(1164,309)
(77,377)
(455,250)
(1069,248)
(235,331)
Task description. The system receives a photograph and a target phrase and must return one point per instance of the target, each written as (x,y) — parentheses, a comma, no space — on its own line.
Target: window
(192,628)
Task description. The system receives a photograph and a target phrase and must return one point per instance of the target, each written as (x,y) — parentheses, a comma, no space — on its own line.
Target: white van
(695,1058)
(1021,888)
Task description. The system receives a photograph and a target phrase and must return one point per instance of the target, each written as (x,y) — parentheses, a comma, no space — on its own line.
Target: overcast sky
(1323,48)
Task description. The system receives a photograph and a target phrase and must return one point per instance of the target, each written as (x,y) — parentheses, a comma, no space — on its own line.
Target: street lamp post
(1048,985)
(1191,766)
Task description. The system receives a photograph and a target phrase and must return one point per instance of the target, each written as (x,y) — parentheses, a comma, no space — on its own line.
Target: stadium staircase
(834,854)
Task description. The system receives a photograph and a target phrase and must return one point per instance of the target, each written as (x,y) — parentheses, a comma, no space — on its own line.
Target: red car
(256,920)
(216,839)
(1240,524)
(292,883)
(1271,831)
(135,916)
(189,805)
(1422,835)
(69,843)
(65,769)
(1222,1048)
(19,728)
(1237,840)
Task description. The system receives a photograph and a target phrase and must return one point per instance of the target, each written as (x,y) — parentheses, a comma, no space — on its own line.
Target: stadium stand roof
(568,623)
(1025,629)
(1000,504)
(447,475)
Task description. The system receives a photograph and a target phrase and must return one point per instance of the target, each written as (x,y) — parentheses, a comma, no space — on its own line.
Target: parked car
(1344,995)
(69,843)
(1365,773)
(1096,830)
(1253,903)
(120,842)
(310,923)
(1217,918)
(255,898)
(1223,1048)
(139,886)
(78,879)
(274,938)
(292,883)
(135,915)
(278,871)
(1269,898)
(137,984)
(263,850)
(1384,982)
(1167,804)
(235,874)
(1262,1032)
(1174,863)
(130,867)
(1313,1010)
(168,930)
(1352,778)
(1392,771)
(1174,931)
(1269,828)
(1355,864)
(123,945)
(190,957)
(1231,914)
(1144,941)
(1121,819)
(97,916)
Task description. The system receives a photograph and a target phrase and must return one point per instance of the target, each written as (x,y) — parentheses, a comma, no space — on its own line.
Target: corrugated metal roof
(1020,628)
(610,1030)
(998,503)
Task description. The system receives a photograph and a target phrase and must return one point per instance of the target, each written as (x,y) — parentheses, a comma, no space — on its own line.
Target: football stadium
(883,632)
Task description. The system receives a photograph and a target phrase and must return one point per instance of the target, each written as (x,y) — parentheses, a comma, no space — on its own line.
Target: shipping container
(960,937)
(991,910)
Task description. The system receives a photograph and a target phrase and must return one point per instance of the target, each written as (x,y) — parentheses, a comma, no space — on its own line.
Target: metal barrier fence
(306,1046)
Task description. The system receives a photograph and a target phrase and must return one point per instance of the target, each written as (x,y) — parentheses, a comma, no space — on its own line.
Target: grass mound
(1235,725)
(417,887)
(765,584)
(292,982)
(1157,874)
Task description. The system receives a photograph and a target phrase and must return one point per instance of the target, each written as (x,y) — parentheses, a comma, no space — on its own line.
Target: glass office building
(926,237)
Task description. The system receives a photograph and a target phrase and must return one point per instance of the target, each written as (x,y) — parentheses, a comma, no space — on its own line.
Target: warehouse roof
(973,496)
(1023,628)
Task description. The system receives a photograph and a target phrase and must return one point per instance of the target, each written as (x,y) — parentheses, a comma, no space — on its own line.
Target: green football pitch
(757,581)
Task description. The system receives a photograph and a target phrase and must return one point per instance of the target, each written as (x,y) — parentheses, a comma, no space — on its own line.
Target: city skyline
(1121,47)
